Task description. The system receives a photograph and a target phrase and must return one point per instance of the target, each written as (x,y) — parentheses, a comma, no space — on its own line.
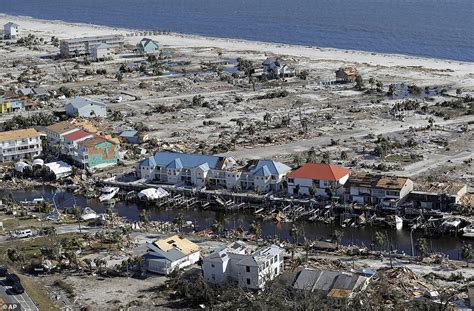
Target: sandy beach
(65,30)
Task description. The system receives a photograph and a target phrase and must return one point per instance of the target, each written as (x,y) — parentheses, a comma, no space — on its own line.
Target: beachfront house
(11,31)
(213,171)
(275,68)
(85,107)
(436,195)
(19,144)
(170,254)
(258,175)
(56,132)
(384,191)
(334,289)
(95,152)
(34,92)
(318,179)
(183,168)
(148,47)
(83,46)
(346,74)
(250,269)
(100,52)
(70,141)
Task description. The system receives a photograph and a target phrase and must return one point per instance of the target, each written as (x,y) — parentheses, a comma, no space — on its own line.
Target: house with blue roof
(259,175)
(213,172)
(133,137)
(148,46)
(185,168)
(85,107)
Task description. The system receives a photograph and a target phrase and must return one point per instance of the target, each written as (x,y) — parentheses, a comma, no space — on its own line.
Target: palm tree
(256,229)
(379,240)
(251,129)
(371,82)
(304,124)
(422,247)
(338,235)
(466,253)
(240,124)
(179,221)
(217,227)
(307,248)
(267,118)
(88,262)
(295,233)
(298,105)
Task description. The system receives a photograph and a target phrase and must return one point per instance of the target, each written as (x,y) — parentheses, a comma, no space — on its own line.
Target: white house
(212,171)
(85,107)
(173,253)
(318,179)
(11,30)
(275,68)
(102,51)
(56,132)
(385,191)
(19,144)
(60,169)
(250,269)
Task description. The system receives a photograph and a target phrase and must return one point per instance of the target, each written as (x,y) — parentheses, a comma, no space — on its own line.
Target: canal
(202,219)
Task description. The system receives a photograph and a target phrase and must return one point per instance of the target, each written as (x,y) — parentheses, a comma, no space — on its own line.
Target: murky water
(204,219)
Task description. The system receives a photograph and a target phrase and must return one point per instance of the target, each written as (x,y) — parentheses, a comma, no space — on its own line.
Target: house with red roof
(318,179)
(71,140)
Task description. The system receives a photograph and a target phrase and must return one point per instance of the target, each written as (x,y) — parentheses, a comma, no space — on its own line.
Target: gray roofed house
(11,30)
(148,46)
(85,107)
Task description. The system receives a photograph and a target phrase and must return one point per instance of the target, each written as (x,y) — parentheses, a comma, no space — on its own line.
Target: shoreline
(173,39)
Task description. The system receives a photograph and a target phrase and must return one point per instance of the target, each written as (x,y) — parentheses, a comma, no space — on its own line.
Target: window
(247,268)
(248,281)
(213,276)
(212,265)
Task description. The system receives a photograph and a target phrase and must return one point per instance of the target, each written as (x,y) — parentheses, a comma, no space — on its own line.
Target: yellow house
(5,106)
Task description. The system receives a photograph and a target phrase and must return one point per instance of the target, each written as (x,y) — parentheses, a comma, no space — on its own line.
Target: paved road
(7,294)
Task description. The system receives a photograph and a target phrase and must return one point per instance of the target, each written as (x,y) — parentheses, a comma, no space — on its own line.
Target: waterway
(202,219)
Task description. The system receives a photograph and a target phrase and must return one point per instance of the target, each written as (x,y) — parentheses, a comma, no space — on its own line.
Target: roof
(172,248)
(102,46)
(129,133)
(306,278)
(450,188)
(93,141)
(188,160)
(78,102)
(391,182)
(146,41)
(272,167)
(59,167)
(77,135)
(18,134)
(11,24)
(237,247)
(261,255)
(61,127)
(339,293)
(320,171)
(95,38)
(348,70)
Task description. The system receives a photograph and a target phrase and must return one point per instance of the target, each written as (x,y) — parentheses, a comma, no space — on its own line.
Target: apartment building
(84,46)
(19,144)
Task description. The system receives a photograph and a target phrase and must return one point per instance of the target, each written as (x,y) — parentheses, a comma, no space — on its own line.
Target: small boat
(398,222)
(89,214)
(108,193)
(468,232)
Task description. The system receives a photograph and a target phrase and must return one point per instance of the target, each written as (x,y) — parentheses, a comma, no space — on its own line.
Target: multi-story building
(212,171)
(11,30)
(19,144)
(83,46)
(85,107)
(56,132)
(250,269)
(385,191)
(95,152)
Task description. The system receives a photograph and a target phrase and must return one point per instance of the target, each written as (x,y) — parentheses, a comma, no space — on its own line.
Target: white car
(21,234)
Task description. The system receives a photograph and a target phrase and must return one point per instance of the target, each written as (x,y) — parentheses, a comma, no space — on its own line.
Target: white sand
(70,30)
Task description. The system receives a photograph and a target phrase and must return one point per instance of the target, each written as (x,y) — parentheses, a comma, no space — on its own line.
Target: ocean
(431,28)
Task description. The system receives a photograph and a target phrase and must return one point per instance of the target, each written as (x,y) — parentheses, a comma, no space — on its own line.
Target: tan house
(346,74)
